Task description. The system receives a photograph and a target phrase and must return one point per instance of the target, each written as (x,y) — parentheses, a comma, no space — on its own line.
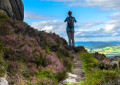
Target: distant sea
(111,48)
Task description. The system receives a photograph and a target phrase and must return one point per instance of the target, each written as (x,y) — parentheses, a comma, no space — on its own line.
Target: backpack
(70,22)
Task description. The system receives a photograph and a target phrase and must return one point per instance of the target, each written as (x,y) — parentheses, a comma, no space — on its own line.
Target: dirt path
(76,75)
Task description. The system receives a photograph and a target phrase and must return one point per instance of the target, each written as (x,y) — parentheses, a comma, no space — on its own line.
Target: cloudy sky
(97,20)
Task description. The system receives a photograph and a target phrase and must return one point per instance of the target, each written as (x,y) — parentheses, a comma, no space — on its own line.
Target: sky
(97,20)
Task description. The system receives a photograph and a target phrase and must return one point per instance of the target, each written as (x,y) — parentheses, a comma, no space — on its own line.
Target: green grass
(88,61)
(93,74)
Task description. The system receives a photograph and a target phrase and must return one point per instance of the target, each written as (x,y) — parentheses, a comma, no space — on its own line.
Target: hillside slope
(32,57)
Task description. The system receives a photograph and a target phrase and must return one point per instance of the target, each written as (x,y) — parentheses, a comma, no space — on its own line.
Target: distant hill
(110,49)
(92,45)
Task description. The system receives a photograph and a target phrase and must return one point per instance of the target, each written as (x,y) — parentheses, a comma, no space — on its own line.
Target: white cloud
(115,34)
(109,27)
(115,15)
(59,27)
(112,25)
(104,4)
(29,15)
(48,28)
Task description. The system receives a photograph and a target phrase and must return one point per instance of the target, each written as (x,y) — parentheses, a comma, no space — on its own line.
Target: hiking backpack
(70,22)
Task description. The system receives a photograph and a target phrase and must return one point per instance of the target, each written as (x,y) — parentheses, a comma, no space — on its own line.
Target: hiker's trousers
(70,34)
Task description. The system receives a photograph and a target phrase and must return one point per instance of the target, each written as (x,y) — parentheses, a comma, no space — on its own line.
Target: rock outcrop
(13,8)
(3,81)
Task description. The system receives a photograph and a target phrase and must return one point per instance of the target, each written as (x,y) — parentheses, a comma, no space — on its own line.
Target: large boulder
(13,8)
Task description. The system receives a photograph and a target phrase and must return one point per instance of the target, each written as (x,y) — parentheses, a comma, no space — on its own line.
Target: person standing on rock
(70,28)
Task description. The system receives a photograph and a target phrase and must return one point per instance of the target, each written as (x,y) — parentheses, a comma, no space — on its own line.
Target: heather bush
(10,40)
(68,64)
(9,54)
(99,56)
(106,64)
(80,48)
(54,62)
(46,81)
(64,52)
(5,29)
(54,47)
(19,80)
(14,67)
(40,60)
(1,47)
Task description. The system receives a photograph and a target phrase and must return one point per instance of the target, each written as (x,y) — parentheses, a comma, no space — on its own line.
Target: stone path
(76,75)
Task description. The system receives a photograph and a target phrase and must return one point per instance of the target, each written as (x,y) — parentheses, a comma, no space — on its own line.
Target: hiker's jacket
(74,20)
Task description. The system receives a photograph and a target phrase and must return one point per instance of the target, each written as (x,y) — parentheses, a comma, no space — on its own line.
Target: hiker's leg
(69,37)
(72,36)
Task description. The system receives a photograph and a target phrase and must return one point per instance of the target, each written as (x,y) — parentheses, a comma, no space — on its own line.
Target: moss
(3,16)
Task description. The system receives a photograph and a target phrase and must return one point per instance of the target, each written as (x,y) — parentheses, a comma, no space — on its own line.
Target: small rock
(72,75)
(3,81)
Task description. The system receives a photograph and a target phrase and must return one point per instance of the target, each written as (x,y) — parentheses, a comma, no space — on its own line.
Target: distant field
(108,51)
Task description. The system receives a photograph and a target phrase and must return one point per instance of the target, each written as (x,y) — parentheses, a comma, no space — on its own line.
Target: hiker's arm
(65,20)
(75,20)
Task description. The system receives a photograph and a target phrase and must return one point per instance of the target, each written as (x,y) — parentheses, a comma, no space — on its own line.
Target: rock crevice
(13,8)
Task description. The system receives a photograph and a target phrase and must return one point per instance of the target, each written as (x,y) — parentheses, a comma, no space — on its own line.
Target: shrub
(40,60)
(106,64)
(46,81)
(47,50)
(64,52)
(2,73)
(67,63)
(9,54)
(80,48)
(119,65)
(5,29)
(14,67)
(1,47)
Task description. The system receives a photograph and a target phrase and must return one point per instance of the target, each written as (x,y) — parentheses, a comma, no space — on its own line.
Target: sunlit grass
(95,75)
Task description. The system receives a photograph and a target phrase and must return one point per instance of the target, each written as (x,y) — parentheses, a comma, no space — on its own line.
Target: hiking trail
(76,75)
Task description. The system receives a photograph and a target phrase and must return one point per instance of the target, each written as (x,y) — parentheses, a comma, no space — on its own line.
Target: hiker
(70,28)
